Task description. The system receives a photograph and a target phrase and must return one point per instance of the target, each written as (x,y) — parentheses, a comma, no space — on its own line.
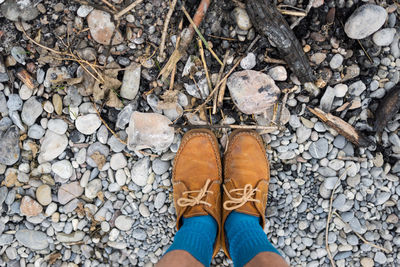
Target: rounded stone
(43,194)
(62,168)
(87,124)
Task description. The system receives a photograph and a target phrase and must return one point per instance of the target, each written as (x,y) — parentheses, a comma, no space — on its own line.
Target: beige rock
(102,28)
(30,207)
(68,192)
(252,92)
(43,194)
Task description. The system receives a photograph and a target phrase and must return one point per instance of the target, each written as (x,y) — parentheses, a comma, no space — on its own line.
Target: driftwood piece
(269,22)
(388,107)
(342,127)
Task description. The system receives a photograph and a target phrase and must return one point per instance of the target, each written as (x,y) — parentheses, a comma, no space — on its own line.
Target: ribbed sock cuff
(246,238)
(197,236)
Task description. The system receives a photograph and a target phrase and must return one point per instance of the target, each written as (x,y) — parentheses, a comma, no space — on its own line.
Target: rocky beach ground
(86,147)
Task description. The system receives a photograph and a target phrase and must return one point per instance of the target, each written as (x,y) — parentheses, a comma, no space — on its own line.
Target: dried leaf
(100,195)
(170,100)
(34,148)
(99,158)
(113,100)
(389,107)
(80,210)
(54,257)
(98,91)
(111,83)
(341,127)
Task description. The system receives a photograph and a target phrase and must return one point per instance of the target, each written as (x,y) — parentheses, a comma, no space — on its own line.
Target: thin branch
(328,220)
(105,124)
(309,6)
(109,5)
(127,9)
(361,237)
(203,59)
(200,35)
(220,73)
(165,28)
(227,126)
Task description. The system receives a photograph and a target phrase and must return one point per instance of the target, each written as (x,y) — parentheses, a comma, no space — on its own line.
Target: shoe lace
(245,194)
(192,201)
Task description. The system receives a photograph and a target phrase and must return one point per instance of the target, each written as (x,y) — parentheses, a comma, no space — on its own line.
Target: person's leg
(180,258)
(197,178)
(247,243)
(244,202)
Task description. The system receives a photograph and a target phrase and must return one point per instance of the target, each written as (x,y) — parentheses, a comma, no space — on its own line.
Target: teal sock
(245,238)
(197,236)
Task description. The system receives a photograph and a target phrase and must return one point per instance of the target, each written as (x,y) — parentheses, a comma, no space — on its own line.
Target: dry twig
(220,73)
(165,28)
(109,5)
(203,59)
(328,220)
(105,124)
(233,126)
(127,9)
(209,97)
(309,6)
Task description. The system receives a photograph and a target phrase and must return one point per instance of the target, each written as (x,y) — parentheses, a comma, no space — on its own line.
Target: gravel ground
(74,193)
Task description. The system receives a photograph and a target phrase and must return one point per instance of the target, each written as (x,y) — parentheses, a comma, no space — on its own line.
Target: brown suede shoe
(246,178)
(197,178)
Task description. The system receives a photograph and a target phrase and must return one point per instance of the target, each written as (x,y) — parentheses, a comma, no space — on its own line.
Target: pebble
(120,177)
(58,126)
(87,124)
(14,10)
(124,223)
(144,210)
(69,238)
(248,62)
(62,168)
(31,111)
(92,188)
(367,262)
(160,200)
(32,239)
(319,149)
(149,130)
(70,191)
(118,161)
(52,146)
(14,102)
(140,171)
(9,146)
(131,81)
(384,37)
(380,257)
(30,207)
(102,28)
(364,21)
(278,73)
(159,166)
(84,10)
(357,88)
(24,92)
(340,90)
(43,194)
(139,234)
(336,61)
(242,19)
(252,92)
(327,99)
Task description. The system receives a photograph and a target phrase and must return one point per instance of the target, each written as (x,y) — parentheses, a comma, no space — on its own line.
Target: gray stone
(87,124)
(70,191)
(16,10)
(252,92)
(9,146)
(92,188)
(159,166)
(31,111)
(58,126)
(336,61)
(70,238)
(384,37)
(364,21)
(32,239)
(248,62)
(3,103)
(339,141)
(160,200)
(36,131)
(19,54)
(52,146)
(139,234)
(357,88)
(118,161)
(84,10)
(62,168)
(14,102)
(6,239)
(93,148)
(125,115)
(124,223)
(380,257)
(319,149)
(278,73)
(140,171)
(355,225)
(327,99)
(131,81)
(382,197)
(144,210)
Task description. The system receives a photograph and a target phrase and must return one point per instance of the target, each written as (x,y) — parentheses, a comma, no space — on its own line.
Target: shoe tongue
(197,210)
